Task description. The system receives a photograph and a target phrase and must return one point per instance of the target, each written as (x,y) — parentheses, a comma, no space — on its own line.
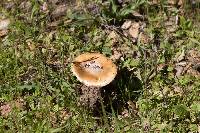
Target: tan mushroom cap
(94,69)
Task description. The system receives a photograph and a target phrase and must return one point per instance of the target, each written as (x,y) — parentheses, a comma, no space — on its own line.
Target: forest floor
(155,45)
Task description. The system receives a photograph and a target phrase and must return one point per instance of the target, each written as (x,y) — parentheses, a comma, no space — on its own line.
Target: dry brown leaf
(155,2)
(171,24)
(31,46)
(144,38)
(174,2)
(3,33)
(137,15)
(4,23)
(25,5)
(178,90)
(193,55)
(19,103)
(116,55)
(59,11)
(180,2)
(181,56)
(53,119)
(134,29)
(5,109)
(193,73)
(64,115)
(113,36)
(126,25)
(44,7)
(54,1)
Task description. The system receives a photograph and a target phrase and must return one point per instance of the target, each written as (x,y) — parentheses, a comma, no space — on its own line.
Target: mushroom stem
(89,96)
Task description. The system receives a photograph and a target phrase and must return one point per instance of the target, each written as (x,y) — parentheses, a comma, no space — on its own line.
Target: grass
(40,93)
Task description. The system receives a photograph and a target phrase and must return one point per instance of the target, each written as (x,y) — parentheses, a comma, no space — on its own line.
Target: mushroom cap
(94,69)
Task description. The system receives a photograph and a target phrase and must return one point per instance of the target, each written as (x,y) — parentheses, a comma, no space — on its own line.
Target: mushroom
(94,70)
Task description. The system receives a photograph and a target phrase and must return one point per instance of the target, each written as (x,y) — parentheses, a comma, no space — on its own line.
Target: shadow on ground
(114,97)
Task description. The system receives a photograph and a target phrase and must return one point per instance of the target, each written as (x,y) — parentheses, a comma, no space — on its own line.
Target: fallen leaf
(25,5)
(178,70)
(19,103)
(138,15)
(134,30)
(44,6)
(3,32)
(53,119)
(180,2)
(59,11)
(53,1)
(181,56)
(126,25)
(178,90)
(64,115)
(5,109)
(172,2)
(31,46)
(4,24)
(116,55)
(144,38)
(197,67)
(125,113)
(113,36)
